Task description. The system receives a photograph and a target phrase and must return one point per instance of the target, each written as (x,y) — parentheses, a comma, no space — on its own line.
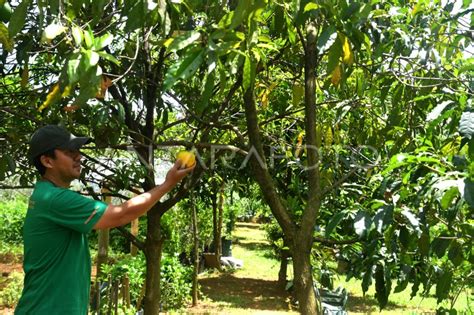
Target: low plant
(11,293)
(176,283)
(12,215)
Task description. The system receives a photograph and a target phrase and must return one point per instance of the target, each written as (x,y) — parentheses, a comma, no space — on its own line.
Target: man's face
(68,163)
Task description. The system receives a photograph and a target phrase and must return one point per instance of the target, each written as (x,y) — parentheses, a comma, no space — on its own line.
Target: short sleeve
(72,210)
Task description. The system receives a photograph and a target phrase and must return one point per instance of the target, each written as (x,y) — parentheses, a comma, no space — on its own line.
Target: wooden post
(126,291)
(195,251)
(116,295)
(140,297)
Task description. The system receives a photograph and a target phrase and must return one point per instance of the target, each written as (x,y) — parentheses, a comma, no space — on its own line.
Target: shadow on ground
(367,304)
(250,293)
(251,246)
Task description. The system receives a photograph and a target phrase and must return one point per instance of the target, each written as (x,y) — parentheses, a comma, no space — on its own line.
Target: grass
(253,289)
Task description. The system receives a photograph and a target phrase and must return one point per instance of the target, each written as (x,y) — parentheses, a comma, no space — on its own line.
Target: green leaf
(448,197)
(443,286)
(108,57)
(207,93)
(412,219)
(97,10)
(468,192)
(18,18)
(53,6)
(73,66)
(439,246)
(455,253)
(185,40)
(184,69)
(327,38)
(164,18)
(381,292)
(89,85)
(103,41)
(135,16)
(77,5)
(240,13)
(362,223)
(335,220)
(403,278)
(335,52)
(278,20)
(77,35)
(91,58)
(367,279)
(424,244)
(249,73)
(311,6)
(438,110)
(466,124)
(298,93)
(404,236)
(88,38)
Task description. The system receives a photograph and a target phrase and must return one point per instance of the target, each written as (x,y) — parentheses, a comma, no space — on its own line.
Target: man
(57,261)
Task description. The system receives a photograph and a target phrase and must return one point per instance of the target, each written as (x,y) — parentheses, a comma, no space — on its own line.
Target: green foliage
(129,266)
(175,279)
(12,215)
(393,130)
(176,283)
(11,293)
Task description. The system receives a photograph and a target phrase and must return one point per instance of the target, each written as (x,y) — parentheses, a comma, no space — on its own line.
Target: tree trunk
(282,273)
(153,248)
(299,237)
(304,287)
(303,277)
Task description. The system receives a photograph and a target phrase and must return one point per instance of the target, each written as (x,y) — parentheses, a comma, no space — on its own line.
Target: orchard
(349,124)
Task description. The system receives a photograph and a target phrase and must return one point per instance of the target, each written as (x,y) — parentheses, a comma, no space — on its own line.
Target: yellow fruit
(188,159)
(336,75)
(348,57)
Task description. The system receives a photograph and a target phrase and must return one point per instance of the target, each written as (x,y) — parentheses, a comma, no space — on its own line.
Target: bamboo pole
(196,251)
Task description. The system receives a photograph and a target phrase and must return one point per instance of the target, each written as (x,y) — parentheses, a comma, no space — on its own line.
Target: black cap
(54,137)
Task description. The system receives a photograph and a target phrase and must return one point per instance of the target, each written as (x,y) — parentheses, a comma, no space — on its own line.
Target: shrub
(12,215)
(10,295)
(176,283)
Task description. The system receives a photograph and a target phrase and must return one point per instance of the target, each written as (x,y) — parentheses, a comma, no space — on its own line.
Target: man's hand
(176,173)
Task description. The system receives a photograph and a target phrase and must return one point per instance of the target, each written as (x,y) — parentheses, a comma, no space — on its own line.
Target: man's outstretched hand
(177,173)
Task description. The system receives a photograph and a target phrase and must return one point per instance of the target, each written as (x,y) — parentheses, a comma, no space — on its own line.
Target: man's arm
(138,205)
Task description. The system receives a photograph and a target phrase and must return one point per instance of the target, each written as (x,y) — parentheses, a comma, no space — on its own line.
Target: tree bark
(153,248)
(282,273)
(304,286)
(303,277)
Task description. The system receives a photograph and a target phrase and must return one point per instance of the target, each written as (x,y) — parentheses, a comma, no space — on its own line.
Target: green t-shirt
(57,261)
